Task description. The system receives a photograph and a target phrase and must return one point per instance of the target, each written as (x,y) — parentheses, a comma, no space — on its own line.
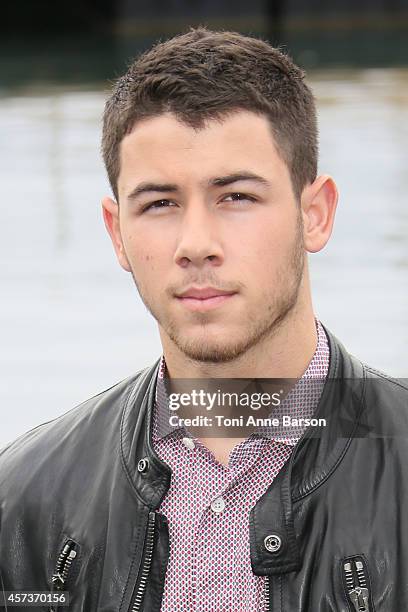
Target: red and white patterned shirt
(208,503)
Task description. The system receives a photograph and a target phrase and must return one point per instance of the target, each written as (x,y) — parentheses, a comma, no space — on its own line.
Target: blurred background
(71,321)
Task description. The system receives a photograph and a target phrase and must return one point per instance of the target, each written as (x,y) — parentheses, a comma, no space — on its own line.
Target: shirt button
(273,543)
(189,443)
(218,505)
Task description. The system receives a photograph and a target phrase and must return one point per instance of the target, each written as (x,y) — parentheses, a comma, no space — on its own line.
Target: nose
(198,242)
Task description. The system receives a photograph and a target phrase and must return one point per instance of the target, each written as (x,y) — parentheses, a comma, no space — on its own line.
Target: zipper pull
(57,581)
(359,598)
(356,582)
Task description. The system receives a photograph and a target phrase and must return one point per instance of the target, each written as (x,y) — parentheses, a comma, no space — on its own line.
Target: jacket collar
(316,456)
(151,483)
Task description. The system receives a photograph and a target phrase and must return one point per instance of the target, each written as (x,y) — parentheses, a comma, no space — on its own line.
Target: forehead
(166,145)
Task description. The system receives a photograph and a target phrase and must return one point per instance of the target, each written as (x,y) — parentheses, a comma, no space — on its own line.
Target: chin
(202,348)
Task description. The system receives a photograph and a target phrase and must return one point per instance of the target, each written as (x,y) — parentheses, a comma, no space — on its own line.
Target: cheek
(278,232)
(144,261)
(139,248)
(263,244)
(147,258)
(262,255)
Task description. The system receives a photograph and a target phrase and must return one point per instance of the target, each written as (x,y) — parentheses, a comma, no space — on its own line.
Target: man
(210,144)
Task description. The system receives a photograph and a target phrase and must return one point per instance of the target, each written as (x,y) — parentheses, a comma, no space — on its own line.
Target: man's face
(210,209)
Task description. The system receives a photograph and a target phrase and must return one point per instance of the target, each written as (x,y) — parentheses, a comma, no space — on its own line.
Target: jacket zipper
(62,567)
(267,594)
(356,580)
(145,565)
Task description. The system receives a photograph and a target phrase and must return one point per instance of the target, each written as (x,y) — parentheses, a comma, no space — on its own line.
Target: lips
(205,298)
(203,294)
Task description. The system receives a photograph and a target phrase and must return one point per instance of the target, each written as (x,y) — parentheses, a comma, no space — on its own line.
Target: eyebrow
(149,187)
(220,181)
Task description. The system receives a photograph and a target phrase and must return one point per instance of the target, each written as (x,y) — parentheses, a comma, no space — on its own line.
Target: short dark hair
(203,75)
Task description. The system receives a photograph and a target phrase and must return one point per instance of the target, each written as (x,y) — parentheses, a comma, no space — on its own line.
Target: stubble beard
(275,310)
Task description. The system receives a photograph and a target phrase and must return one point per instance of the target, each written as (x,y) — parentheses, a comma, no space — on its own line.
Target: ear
(110,210)
(318,202)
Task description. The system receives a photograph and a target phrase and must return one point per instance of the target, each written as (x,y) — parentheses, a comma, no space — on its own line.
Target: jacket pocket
(66,567)
(356,583)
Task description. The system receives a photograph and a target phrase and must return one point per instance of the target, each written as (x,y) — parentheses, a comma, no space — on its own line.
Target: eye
(157,205)
(239,197)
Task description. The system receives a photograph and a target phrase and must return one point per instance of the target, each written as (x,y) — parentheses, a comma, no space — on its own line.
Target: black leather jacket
(77,503)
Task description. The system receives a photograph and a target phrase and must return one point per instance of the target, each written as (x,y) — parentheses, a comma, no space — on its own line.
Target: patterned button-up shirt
(208,503)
